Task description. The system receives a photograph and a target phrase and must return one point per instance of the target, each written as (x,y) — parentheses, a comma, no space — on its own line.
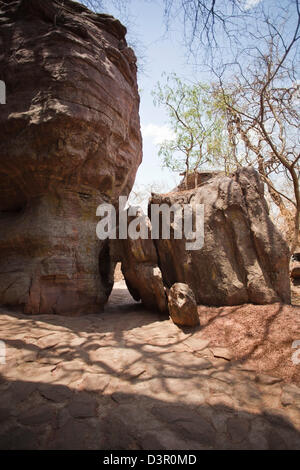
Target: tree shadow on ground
(36,415)
(129,346)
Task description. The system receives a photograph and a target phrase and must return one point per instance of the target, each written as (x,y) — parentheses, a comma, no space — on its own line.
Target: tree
(263,108)
(256,68)
(141,193)
(261,120)
(121,10)
(199,132)
(209,24)
(252,47)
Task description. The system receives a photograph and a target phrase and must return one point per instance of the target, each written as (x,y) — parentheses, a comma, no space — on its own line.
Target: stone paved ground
(130,379)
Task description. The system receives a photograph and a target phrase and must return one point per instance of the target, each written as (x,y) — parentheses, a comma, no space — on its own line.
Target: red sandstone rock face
(70,139)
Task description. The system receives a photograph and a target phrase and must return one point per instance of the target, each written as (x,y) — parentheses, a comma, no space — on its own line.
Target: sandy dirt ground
(259,336)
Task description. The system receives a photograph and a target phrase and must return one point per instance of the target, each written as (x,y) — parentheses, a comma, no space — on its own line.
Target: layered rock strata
(70,139)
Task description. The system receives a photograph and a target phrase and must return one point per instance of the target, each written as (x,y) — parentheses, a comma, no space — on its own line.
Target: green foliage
(197,117)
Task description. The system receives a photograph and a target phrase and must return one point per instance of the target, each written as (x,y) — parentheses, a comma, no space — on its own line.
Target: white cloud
(157,133)
(251,4)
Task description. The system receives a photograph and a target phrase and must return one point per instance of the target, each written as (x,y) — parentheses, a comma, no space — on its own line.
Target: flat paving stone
(82,405)
(55,393)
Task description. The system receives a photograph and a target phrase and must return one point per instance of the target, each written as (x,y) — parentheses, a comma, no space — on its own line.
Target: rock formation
(70,139)
(140,267)
(182,305)
(244,257)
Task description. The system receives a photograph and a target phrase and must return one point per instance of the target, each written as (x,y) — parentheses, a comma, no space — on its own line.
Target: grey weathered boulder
(244,257)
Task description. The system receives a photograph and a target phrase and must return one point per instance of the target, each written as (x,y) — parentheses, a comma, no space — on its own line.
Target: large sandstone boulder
(244,257)
(70,139)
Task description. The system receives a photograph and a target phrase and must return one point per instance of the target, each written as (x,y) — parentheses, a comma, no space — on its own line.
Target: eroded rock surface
(182,305)
(70,139)
(244,258)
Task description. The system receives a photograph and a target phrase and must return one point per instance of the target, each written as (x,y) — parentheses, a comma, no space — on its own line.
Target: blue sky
(163,53)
